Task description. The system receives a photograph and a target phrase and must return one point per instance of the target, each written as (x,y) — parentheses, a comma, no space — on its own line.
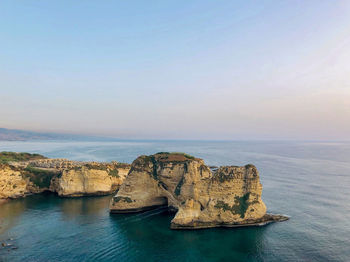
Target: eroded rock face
(16,183)
(12,184)
(68,178)
(90,179)
(231,196)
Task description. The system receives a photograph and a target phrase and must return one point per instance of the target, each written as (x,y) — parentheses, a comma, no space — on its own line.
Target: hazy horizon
(227,70)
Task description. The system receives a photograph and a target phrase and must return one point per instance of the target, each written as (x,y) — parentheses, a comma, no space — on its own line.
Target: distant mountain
(23,135)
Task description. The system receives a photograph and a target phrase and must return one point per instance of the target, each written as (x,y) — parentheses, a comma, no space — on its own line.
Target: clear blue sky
(177,69)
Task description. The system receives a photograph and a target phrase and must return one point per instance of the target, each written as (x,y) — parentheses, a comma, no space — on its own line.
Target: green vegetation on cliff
(96,166)
(39,177)
(113,172)
(242,204)
(179,185)
(223,176)
(125,199)
(173,155)
(239,207)
(151,159)
(6,157)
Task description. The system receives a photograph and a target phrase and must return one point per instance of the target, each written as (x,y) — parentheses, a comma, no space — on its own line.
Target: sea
(308,181)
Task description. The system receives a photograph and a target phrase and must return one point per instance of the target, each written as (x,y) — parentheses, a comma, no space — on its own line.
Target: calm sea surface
(308,181)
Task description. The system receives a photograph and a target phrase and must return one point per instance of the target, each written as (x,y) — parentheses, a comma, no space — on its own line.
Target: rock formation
(229,196)
(16,182)
(90,179)
(202,196)
(22,174)
(12,184)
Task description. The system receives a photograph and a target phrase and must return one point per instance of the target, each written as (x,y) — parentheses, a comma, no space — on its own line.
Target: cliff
(16,182)
(22,174)
(12,184)
(229,196)
(90,179)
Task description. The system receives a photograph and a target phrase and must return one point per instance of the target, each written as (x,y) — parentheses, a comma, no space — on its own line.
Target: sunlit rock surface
(90,179)
(23,174)
(229,196)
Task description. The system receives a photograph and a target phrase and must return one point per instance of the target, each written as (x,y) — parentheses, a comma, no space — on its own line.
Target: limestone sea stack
(227,197)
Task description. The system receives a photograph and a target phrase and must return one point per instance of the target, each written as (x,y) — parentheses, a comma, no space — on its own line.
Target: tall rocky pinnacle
(230,196)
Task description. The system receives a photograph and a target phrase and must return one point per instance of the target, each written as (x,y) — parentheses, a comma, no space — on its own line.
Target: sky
(240,70)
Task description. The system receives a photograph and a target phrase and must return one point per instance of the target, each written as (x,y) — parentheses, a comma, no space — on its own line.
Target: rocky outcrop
(68,178)
(16,182)
(229,196)
(12,184)
(90,179)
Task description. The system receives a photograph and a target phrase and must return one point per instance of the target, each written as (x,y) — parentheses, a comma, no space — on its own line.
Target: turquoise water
(308,181)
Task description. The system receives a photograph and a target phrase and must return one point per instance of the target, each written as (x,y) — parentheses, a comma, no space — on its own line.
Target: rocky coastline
(201,196)
(263,221)
(21,176)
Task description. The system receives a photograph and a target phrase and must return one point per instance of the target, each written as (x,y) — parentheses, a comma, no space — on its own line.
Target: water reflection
(122,236)
(68,208)
(89,206)
(9,214)
(159,242)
